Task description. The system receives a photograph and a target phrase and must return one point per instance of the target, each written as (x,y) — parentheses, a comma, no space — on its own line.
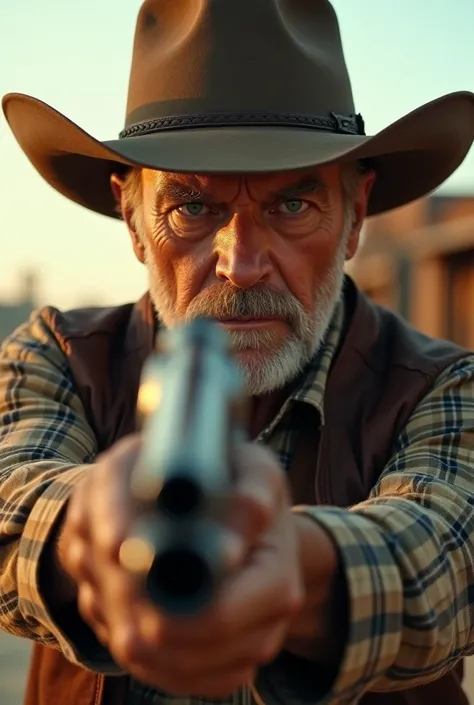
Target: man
(244,177)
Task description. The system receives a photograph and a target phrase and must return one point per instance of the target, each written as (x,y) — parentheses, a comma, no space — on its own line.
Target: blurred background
(418,260)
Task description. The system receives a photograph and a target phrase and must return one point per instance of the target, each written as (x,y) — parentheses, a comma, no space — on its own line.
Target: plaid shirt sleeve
(46,444)
(408,555)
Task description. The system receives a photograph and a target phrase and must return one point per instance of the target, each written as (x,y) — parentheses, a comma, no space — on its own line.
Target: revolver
(191,411)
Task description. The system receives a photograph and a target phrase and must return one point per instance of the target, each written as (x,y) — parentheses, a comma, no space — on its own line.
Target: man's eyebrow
(178,191)
(301,188)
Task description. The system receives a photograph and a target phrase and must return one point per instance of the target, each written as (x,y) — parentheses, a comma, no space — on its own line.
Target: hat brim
(412,156)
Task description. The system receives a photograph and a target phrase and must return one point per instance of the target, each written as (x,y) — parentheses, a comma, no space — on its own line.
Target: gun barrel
(187,398)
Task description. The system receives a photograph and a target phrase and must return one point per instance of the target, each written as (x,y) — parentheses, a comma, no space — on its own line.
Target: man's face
(262,254)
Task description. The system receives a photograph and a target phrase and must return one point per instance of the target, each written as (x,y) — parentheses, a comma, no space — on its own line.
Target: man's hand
(213,654)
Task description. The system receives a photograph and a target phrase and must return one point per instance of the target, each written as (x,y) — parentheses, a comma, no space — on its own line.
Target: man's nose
(243,252)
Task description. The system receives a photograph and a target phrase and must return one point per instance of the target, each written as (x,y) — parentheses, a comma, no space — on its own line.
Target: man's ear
(359,212)
(117,186)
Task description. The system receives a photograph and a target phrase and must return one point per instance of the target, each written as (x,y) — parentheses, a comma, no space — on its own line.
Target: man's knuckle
(271,643)
(88,603)
(123,648)
(76,514)
(75,558)
(262,514)
(108,542)
(267,651)
(290,599)
(103,472)
(294,602)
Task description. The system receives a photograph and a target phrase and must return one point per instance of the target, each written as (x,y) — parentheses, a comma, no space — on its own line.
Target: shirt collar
(310,390)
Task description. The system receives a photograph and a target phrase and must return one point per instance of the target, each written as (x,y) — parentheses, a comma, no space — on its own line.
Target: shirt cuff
(375,595)
(68,631)
(292,680)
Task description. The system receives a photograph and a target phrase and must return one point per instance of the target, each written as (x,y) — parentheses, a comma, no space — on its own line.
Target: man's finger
(258,493)
(112,508)
(204,652)
(89,607)
(266,589)
(78,560)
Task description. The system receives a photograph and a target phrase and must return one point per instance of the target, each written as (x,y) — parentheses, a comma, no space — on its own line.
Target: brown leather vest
(381,371)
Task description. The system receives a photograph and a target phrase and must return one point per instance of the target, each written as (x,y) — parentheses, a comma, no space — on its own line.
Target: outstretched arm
(407,559)
(46,444)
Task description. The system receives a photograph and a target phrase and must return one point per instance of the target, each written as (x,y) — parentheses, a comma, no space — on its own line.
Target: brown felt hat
(243,86)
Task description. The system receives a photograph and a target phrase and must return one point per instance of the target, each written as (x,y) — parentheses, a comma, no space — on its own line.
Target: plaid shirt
(408,550)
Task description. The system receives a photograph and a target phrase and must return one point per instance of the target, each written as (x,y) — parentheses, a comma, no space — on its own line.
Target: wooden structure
(419,261)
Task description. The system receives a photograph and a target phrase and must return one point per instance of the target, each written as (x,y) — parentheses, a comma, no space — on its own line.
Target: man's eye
(194,209)
(293,206)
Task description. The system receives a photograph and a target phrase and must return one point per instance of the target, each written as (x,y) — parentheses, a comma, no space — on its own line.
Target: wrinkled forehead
(260,186)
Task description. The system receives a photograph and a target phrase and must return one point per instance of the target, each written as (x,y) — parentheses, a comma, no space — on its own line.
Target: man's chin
(251,358)
(258,342)
(264,371)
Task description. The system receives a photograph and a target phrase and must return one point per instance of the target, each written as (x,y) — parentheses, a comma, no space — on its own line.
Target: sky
(76,57)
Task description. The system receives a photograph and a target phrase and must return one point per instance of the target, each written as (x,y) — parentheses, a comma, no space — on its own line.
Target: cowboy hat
(243,86)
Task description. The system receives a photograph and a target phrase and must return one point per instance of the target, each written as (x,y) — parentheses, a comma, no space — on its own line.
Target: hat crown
(194,57)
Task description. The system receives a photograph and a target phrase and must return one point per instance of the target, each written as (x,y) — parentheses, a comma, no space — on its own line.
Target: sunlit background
(76,55)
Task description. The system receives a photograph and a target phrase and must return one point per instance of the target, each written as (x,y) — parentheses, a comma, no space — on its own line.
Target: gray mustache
(258,302)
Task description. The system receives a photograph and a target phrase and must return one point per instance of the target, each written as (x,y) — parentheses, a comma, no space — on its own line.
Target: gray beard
(268,364)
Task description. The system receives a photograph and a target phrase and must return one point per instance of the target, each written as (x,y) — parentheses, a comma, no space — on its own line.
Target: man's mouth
(247,322)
